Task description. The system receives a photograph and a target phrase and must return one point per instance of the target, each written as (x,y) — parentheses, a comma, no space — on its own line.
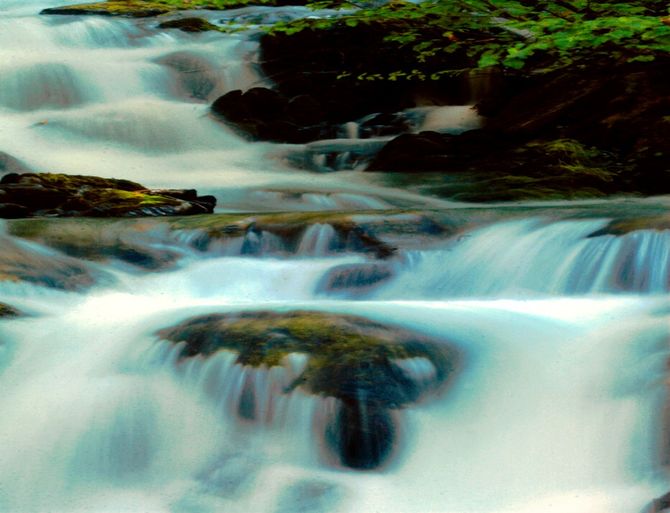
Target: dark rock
(188,25)
(660,505)
(384,124)
(265,114)
(12,210)
(194,76)
(7,311)
(356,278)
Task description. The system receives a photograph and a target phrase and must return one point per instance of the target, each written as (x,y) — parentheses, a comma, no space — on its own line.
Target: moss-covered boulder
(37,194)
(370,368)
(483,165)
(129,8)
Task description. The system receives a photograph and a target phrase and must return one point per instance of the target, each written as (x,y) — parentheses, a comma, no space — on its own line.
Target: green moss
(75,182)
(347,354)
(189,25)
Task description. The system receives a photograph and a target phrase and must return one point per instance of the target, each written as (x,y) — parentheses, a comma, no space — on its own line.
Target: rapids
(559,406)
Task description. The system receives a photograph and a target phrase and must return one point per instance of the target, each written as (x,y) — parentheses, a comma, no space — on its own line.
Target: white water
(558,407)
(535,256)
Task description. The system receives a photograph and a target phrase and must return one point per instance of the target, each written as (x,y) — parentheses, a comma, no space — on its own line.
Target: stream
(560,404)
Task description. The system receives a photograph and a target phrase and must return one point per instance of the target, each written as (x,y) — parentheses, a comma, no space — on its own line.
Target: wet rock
(19,264)
(33,194)
(356,278)
(12,210)
(265,114)
(351,359)
(426,151)
(309,496)
(660,505)
(136,242)
(189,25)
(194,76)
(8,311)
(482,165)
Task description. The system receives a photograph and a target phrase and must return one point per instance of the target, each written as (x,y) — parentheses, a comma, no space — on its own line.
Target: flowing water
(559,405)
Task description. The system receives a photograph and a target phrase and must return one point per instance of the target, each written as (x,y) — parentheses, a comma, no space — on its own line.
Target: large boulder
(265,114)
(31,194)
(370,368)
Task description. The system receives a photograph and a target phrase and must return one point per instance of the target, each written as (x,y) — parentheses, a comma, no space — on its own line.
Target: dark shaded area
(615,119)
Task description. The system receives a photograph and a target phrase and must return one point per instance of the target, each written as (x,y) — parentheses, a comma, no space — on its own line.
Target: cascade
(527,374)
(534,257)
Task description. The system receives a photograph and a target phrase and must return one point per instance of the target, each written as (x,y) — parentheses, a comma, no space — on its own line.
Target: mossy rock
(76,195)
(131,241)
(361,363)
(129,8)
(482,165)
(347,354)
(7,311)
(189,25)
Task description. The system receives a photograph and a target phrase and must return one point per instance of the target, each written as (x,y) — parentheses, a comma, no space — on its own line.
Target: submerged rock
(20,264)
(33,194)
(355,278)
(351,359)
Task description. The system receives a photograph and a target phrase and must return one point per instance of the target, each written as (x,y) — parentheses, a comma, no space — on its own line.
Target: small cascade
(41,85)
(261,243)
(318,240)
(148,125)
(531,257)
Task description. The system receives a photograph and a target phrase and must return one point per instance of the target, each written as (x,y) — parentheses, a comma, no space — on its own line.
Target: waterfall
(534,257)
(557,400)
(318,240)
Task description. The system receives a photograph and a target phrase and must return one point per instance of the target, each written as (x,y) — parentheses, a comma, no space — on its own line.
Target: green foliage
(515,35)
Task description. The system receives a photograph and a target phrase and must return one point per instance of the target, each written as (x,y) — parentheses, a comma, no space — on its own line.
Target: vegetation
(535,36)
